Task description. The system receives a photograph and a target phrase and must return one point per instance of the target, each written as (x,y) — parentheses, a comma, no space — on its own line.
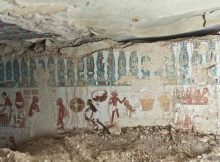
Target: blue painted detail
(24,73)
(111,67)
(90,70)
(2,76)
(9,76)
(61,72)
(16,69)
(80,73)
(9,71)
(51,69)
(70,73)
(33,67)
(134,64)
(42,63)
(100,67)
(121,65)
(145,60)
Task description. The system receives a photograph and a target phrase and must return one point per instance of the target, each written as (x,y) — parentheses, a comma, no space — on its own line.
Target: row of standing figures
(16,118)
(91,113)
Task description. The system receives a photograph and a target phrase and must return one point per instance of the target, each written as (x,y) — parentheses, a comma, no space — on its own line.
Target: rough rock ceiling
(14,32)
(118,20)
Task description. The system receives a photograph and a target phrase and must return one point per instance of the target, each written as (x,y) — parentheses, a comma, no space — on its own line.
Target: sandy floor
(139,144)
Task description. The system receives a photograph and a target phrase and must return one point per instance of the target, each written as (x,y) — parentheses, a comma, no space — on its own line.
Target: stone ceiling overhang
(118,20)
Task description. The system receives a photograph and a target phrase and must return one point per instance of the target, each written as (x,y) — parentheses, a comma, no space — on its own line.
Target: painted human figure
(8,108)
(91,114)
(188,96)
(197,96)
(204,98)
(129,108)
(187,123)
(21,120)
(178,122)
(61,113)
(34,106)
(19,104)
(114,101)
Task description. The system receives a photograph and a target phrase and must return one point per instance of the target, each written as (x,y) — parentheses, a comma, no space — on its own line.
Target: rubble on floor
(134,144)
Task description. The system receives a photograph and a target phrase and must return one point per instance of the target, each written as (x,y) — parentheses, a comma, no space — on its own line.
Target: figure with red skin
(8,108)
(61,113)
(188,96)
(187,123)
(34,106)
(204,99)
(129,108)
(114,101)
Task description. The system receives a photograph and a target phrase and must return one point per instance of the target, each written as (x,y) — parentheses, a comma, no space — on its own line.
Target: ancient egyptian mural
(177,86)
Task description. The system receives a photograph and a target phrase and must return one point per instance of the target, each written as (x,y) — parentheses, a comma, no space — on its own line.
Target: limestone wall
(142,84)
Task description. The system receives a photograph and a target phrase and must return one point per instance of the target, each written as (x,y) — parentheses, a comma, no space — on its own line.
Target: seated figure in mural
(7,106)
(114,101)
(34,106)
(61,113)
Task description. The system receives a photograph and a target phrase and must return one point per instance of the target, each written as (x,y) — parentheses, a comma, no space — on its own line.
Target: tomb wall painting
(24,74)
(32,66)
(196,108)
(121,64)
(16,70)
(81,73)
(90,70)
(2,74)
(134,64)
(145,60)
(9,75)
(96,103)
(100,69)
(61,72)
(111,67)
(177,67)
(52,72)
(70,73)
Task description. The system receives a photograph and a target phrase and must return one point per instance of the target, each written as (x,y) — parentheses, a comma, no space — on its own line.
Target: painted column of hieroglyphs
(131,86)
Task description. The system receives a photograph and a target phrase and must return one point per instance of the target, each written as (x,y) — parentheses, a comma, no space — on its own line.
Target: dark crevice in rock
(206,31)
